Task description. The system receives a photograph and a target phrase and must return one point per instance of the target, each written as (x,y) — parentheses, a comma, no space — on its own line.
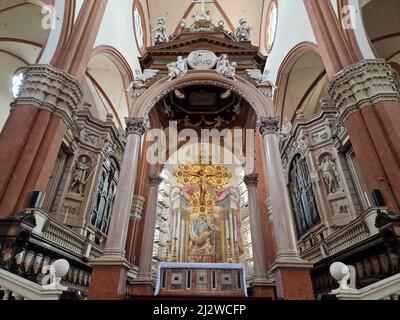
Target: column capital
(364,83)
(47,87)
(268,125)
(155,180)
(135,126)
(251,180)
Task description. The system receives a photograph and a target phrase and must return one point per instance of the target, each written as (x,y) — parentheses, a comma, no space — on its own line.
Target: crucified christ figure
(203,183)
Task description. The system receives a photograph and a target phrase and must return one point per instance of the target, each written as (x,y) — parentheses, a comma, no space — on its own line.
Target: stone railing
(67,239)
(387,289)
(57,233)
(348,236)
(13,287)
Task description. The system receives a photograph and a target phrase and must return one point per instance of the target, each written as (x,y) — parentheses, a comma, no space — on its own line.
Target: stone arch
(111,93)
(301,78)
(260,103)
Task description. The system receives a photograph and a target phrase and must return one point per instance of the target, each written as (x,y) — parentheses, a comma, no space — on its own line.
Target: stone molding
(251,180)
(137,208)
(135,126)
(365,83)
(269,125)
(51,89)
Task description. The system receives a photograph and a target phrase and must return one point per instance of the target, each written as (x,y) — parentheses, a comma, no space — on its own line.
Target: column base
(109,279)
(263,288)
(142,287)
(293,280)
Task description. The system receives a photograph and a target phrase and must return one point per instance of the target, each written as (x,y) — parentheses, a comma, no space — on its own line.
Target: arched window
(139,27)
(17,82)
(303,198)
(101,213)
(272,24)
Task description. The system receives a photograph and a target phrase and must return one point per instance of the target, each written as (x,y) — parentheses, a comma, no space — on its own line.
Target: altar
(201,279)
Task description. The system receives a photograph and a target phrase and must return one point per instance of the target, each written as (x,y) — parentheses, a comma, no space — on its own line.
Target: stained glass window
(137,20)
(272,24)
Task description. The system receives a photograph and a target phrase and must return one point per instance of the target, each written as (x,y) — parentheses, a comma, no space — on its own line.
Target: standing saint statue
(160,31)
(330,174)
(80,176)
(242,33)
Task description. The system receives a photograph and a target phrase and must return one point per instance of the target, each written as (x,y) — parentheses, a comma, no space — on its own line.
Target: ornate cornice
(155,180)
(135,126)
(251,180)
(51,89)
(268,125)
(365,83)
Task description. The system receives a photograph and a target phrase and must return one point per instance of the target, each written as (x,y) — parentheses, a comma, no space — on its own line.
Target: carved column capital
(251,180)
(365,83)
(155,180)
(135,126)
(268,125)
(52,89)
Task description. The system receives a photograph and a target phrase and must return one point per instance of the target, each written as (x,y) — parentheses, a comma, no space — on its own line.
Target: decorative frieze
(365,83)
(51,89)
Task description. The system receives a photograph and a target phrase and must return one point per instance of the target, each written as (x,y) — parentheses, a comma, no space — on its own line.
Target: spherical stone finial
(340,272)
(61,267)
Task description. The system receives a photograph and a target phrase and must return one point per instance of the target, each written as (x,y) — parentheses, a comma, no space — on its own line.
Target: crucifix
(203,176)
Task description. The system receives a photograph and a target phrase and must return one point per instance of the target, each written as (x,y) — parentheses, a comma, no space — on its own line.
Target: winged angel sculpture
(260,78)
(142,78)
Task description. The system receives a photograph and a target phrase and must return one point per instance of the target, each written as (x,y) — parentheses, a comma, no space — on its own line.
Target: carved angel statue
(225,68)
(260,78)
(142,78)
(160,31)
(242,33)
(178,68)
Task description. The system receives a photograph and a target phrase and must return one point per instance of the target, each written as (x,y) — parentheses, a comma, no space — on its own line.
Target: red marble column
(373,133)
(36,126)
(334,49)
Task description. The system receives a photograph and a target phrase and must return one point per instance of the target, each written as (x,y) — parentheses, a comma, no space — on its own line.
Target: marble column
(262,287)
(143,284)
(291,272)
(109,272)
(44,110)
(135,219)
(367,99)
